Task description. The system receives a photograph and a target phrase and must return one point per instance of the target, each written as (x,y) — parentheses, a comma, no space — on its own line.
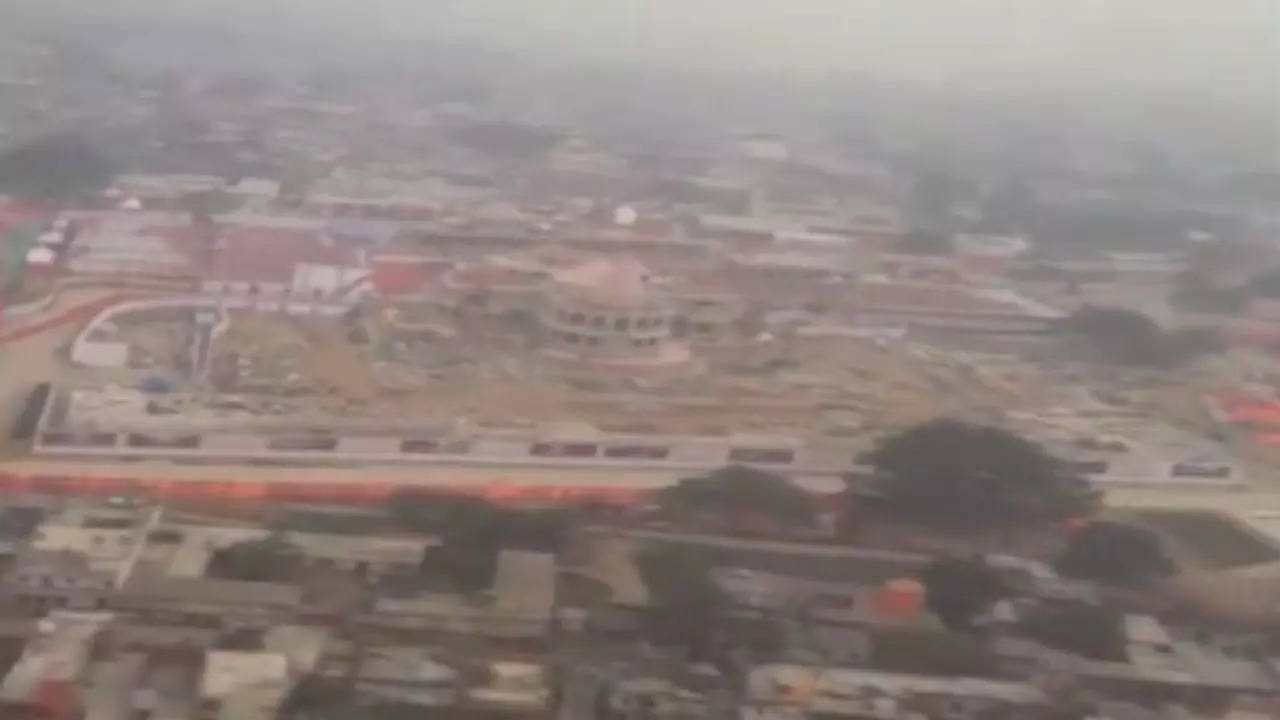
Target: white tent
(41,255)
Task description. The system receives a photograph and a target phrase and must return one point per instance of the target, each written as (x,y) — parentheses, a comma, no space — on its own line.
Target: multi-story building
(607,314)
(777,692)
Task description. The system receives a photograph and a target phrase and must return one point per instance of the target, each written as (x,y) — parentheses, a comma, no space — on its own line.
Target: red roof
(405,275)
(480,277)
(261,254)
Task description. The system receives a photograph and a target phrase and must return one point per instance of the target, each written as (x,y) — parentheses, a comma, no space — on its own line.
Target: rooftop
(621,284)
(230,671)
(524,583)
(270,254)
(146,588)
(810,686)
(57,653)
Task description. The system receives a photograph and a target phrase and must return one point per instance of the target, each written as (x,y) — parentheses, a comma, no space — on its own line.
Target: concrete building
(606,314)
(408,675)
(184,550)
(659,698)
(784,692)
(515,689)
(517,607)
(110,539)
(492,288)
(41,580)
(239,685)
(44,681)
(273,262)
(205,602)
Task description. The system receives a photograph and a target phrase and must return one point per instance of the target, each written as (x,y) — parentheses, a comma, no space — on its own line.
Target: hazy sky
(1223,48)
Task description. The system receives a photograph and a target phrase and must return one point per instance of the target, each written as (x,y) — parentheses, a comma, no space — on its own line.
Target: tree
(960,473)
(686,604)
(267,560)
(469,529)
(738,493)
(1115,553)
(434,513)
(54,167)
(472,531)
(1127,337)
(1122,336)
(956,590)
(1094,631)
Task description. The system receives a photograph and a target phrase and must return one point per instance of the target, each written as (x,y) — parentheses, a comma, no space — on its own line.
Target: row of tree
(1127,337)
(943,472)
(959,590)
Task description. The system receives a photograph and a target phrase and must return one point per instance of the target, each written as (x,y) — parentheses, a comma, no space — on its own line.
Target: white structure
(41,256)
(239,685)
(316,280)
(625,215)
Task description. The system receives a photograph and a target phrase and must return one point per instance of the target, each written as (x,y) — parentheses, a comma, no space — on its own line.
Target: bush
(1116,554)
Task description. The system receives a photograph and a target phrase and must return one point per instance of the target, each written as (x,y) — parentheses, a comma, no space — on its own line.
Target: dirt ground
(496,375)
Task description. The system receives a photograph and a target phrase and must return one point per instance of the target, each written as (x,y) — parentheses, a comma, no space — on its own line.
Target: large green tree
(54,167)
(1127,337)
(957,589)
(686,606)
(736,492)
(472,531)
(1122,336)
(1115,553)
(268,560)
(965,474)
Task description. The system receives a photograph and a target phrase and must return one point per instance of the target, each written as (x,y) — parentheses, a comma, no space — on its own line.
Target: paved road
(434,475)
(1243,502)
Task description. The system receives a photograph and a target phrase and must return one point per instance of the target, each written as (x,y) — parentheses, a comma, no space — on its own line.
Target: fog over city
(640,359)
(1223,51)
